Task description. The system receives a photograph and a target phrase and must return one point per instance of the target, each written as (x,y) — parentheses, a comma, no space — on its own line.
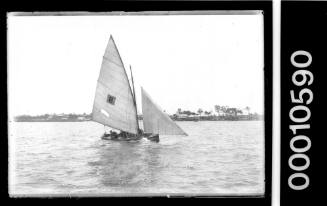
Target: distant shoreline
(184,120)
(88,117)
(52,120)
(174,120)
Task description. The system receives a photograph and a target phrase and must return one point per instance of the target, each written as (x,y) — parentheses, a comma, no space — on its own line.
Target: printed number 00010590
(300,114)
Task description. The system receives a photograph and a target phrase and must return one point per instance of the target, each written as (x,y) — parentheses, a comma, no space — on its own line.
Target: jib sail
(155,120)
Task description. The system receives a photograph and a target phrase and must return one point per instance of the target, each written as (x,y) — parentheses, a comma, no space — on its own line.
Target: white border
(275,193)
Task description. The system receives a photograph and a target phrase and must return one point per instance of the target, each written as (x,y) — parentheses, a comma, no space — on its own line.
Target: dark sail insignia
(111,99)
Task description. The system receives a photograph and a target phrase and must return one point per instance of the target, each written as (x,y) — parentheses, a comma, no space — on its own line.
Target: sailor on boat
(122,136)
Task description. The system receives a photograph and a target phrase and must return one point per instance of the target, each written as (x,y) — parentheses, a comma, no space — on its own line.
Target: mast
(134,97)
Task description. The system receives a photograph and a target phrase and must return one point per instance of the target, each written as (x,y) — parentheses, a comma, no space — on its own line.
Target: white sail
(155,121)
(113,103)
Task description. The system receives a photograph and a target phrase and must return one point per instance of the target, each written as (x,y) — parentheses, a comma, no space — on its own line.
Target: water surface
(69,158)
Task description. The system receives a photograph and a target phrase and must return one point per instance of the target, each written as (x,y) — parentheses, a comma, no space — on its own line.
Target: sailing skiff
(115,104)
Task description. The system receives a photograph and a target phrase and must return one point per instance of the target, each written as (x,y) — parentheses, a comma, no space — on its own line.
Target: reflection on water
(70,158)
(126,164)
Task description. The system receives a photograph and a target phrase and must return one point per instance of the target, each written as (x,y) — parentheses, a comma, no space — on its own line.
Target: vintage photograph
(136,103)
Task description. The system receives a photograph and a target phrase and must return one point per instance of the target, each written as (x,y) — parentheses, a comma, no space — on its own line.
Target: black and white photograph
(151,103)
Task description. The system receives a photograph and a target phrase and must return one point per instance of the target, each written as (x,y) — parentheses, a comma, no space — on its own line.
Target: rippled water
(69,158)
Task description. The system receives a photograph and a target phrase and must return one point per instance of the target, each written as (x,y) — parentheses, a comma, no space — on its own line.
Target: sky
(182,61)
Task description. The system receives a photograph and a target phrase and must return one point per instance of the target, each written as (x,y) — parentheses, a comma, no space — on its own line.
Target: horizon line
(82,113)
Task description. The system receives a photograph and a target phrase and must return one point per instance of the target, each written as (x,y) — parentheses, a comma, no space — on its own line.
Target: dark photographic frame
(135,6)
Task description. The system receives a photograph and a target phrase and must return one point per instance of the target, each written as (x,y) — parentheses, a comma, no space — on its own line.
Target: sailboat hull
(153,137)
(119,137)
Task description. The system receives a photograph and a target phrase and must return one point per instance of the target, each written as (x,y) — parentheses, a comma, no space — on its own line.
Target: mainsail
(113,103)
(155,121)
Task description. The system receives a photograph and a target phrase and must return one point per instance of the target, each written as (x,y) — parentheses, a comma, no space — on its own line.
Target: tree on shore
(200,111)
(208,113)
(231,111)
(224,109)
(217,109)
(247,108)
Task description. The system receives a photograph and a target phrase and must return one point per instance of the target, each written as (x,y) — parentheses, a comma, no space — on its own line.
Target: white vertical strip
(11,112)
(276,104)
